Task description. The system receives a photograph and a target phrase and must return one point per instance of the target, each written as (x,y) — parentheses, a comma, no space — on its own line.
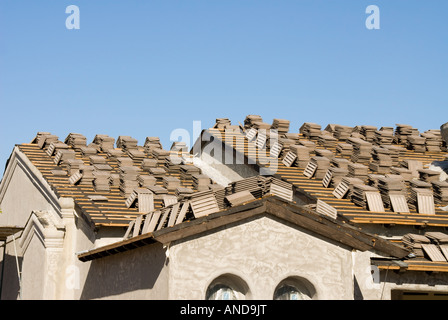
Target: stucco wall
(141,273)
(20,199)
(262,252)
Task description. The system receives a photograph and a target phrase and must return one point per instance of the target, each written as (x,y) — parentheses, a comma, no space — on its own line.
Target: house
(112,219)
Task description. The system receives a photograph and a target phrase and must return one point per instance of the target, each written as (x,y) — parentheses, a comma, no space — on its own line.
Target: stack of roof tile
(440,189)
(281,125)
(433,141)
(73,165)
(437,237)
(414,242)
(250,120)
(187,171)
(359,196)
(395,153)
(55,146)
(113,154)
(182,192)
(239,198)
(334,176)
(136,155)
(114,179)
(44,139)
(412,165)
(222,123)
(88,151)
(157,172)
(125,162)
(101,180)
(405,173)
(76,140)
(87,176)
(384,136)
(97,160)
(341,132)
(286,144)
(326,140)
(391,186)
(344,149)
(358,170)
(63,155)
(428,175)
(160,155)
(381,160)
(145,181)
(200,182)
(368,132)
(128,180)
(152,143)
(148,163)
(320,165)
(372,179)
(251,183)
(402,132)
(292,136)
(298,155)
(340,163)
(126,143)
(345,187)
(309,144)
(416,143)
(171,167)
(361,150)
(104,142)
(324,153)
(311,130)
(171,183)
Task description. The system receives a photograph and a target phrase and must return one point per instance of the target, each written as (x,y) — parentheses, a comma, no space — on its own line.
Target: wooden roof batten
(101,177)
(384,155)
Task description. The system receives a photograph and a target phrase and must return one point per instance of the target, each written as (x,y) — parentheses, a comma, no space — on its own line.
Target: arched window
(294,288)
(227,287)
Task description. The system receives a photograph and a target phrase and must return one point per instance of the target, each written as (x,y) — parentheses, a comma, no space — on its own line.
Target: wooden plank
(173,215)
(182,212)
(137,225)
(146,223)
(128,230)
(154,220)
(165,215)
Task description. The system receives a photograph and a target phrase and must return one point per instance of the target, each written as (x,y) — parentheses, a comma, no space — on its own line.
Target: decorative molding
(43,225)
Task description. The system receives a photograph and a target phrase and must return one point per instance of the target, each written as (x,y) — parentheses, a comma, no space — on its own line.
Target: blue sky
(145,68)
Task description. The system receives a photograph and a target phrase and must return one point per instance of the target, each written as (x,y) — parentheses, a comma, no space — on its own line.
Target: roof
(6,231)
(272,206)
(100,176)
(329,144)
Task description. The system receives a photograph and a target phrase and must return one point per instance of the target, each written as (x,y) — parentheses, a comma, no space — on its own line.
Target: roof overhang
(298,216)
(6,231)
